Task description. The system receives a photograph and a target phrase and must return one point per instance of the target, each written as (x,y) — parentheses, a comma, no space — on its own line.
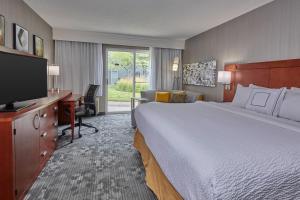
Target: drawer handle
(44,134)
(55,108)
(55,139)
(55,124)
(44,115)
(36,122)
(44,153)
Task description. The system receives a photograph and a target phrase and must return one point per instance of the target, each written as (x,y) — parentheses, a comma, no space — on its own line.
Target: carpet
(98,166)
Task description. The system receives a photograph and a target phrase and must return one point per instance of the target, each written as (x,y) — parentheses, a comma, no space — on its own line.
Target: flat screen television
(22,78)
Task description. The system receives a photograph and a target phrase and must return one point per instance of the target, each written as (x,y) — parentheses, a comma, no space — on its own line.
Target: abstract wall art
(202,73)
(20,36)
(38,46)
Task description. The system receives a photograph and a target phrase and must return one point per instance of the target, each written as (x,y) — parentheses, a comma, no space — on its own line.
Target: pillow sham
(279,101)
(290,108)
(263,100)
(241,96)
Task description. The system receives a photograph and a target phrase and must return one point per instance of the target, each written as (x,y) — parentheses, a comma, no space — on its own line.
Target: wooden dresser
(27,141)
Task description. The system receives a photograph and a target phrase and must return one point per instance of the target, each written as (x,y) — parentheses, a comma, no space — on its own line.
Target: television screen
(22,78)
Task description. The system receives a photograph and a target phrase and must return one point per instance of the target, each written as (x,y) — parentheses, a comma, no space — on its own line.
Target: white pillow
(241,96)
(263,100)
(290,108)
(279,101)
(255,86)
(294,89)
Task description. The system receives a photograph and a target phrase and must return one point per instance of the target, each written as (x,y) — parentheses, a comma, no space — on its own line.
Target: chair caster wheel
(80,136)
(96,130)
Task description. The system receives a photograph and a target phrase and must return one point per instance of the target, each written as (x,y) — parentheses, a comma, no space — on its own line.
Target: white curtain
(162,76)
(80,64)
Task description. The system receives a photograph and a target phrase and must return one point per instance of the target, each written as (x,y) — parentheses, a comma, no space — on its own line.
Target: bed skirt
(155,178)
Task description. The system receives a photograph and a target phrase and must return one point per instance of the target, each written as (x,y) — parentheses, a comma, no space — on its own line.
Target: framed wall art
(202,73)
(2,30)
(38,46)
(20,38)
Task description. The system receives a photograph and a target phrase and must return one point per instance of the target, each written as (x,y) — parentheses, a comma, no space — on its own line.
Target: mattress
(217,151)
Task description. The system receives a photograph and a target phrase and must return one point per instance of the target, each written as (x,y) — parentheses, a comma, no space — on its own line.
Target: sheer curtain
(162,76)
(80,64)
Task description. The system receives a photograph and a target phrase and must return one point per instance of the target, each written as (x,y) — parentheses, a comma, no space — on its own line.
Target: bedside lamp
(175,64)
(224,77)
(53,70)
(175,69)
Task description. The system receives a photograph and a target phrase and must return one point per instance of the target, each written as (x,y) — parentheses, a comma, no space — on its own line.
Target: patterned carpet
(100,166)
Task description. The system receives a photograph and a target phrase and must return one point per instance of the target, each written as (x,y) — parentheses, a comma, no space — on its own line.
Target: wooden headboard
(274,74)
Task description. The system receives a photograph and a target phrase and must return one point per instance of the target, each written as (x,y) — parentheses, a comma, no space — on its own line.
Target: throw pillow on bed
(178,97)
(264,100)
(163,97)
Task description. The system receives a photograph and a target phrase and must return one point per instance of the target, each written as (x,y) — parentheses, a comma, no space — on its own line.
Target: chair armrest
(140,100)
(81,101)
(88,103)
(144,100)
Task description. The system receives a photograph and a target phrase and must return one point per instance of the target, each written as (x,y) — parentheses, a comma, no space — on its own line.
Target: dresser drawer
(47,144)
(49,117)
(45,154)
(48,132)
(49,138)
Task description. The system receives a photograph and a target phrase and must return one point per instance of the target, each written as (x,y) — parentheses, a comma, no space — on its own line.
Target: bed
(209,150)
(216,151)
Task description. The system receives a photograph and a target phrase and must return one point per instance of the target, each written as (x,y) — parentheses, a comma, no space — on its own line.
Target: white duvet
(216,151)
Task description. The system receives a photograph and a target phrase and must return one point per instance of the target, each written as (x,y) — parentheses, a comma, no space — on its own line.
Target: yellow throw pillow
(200,98)
(163,97)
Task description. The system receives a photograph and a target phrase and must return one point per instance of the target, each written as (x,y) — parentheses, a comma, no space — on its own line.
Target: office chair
(84,110)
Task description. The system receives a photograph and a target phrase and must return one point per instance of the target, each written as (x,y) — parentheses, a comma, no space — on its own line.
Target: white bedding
(217,151)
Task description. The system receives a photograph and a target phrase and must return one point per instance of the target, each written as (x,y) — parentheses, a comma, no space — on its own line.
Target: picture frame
(203,73)
(20,38)
(2,30)
(38,46)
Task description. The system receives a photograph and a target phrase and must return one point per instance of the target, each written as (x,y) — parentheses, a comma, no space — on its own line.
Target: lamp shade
(53,70)
(175,67)
(224,77)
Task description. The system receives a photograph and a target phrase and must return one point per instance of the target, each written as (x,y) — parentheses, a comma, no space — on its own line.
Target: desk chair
(84,109)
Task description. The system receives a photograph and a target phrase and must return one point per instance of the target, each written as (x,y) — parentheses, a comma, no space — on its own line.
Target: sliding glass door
(128,73)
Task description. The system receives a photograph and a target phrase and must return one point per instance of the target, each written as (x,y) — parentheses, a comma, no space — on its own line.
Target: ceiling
(172,19)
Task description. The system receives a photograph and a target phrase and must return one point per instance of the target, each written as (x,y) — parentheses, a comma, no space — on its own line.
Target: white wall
(116,39)
(17,11)
(271,32)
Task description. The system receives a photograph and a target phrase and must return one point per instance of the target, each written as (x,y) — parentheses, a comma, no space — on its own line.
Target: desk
(71,103)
